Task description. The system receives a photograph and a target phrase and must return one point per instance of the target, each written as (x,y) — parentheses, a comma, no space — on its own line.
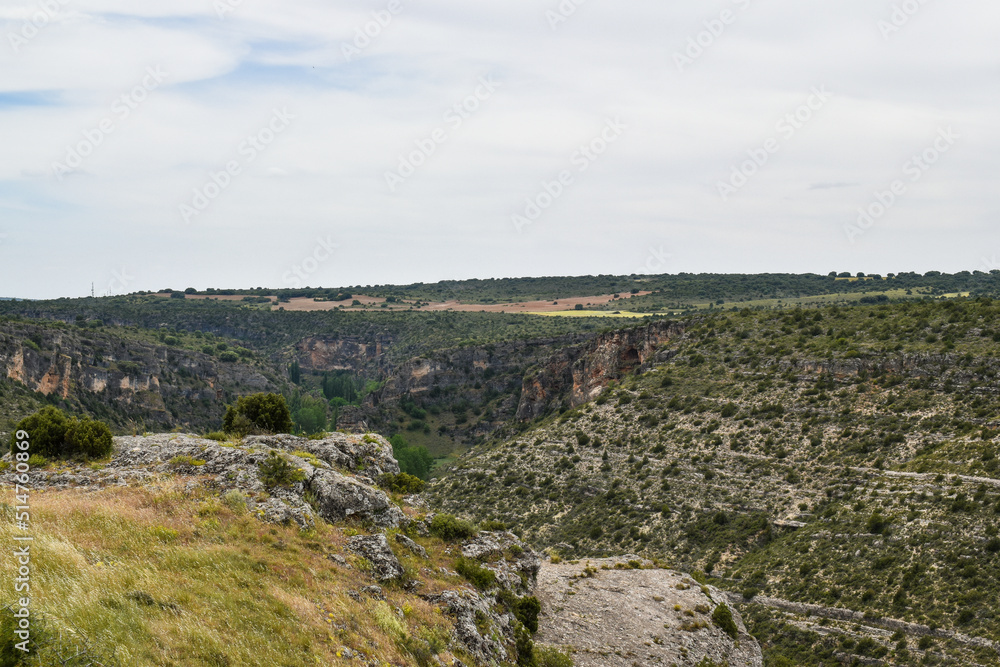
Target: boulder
(339,497)
(385,565)
(411,545)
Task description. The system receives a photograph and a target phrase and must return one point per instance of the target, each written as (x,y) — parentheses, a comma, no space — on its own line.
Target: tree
(310,415)
(258,413)
(52,435)
(414,461)
(294,372)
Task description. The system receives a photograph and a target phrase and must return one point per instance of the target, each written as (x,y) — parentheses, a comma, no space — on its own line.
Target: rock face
(576,374)
(385,565)
(622,617)
(131,381)
(516,573)
(334,493)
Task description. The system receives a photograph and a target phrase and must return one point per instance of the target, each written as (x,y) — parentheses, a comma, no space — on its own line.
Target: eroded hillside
(844,458)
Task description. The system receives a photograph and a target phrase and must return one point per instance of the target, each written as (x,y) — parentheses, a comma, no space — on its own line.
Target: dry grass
(160,576)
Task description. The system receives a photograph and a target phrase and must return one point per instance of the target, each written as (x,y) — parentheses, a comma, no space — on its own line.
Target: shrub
(877,524)
(450,528)
(46,431)
(481,577)
(723,619)
(526,610)
(258,413)
(235,500)
(275,470)
(186,461)
(229,356)
(547,656)
(52,435)
(493,525)
(89,438)
(403,483)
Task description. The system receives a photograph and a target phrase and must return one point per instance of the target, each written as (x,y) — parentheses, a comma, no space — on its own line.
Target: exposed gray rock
(339,497)
(374,592)
(385,565)
(464,607)
(283,511)
(624,617)
(518,574)
(411,545)
(368,453)
(225,466)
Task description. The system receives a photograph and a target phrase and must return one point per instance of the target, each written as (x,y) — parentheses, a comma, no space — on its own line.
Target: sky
(245,143)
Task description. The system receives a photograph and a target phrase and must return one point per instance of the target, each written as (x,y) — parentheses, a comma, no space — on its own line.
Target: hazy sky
(241,143)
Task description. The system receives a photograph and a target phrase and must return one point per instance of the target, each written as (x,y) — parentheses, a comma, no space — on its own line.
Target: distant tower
(91,290)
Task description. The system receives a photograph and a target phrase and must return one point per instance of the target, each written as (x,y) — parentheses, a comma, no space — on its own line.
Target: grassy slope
(693,462)
(161,575)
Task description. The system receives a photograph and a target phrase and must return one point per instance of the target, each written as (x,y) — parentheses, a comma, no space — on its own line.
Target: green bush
(723,619)
(275,470)
(258,413)
(403,483)
(450,528)
(493,525)
(89,438)
(547,656)
(416,461)
(51,435)
(46,431)
(481,577)
(526,610)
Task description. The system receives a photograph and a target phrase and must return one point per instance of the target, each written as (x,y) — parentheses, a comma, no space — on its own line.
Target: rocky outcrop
(328,489)
(375,548)
(414,548)
(516,572)
(329,353)
(469,610)
(368,453)
(125,380)
(577,374)
(613,615)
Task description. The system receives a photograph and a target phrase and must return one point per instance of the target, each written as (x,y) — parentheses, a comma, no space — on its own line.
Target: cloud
(356,118)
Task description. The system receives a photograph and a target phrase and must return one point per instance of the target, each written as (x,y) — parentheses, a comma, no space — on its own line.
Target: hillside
(844,458)
(134,379)
(183,551)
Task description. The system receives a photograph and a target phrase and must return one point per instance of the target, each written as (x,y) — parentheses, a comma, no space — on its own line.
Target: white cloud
(326,173)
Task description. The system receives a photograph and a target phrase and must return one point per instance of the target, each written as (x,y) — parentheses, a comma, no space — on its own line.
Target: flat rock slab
(615,617)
